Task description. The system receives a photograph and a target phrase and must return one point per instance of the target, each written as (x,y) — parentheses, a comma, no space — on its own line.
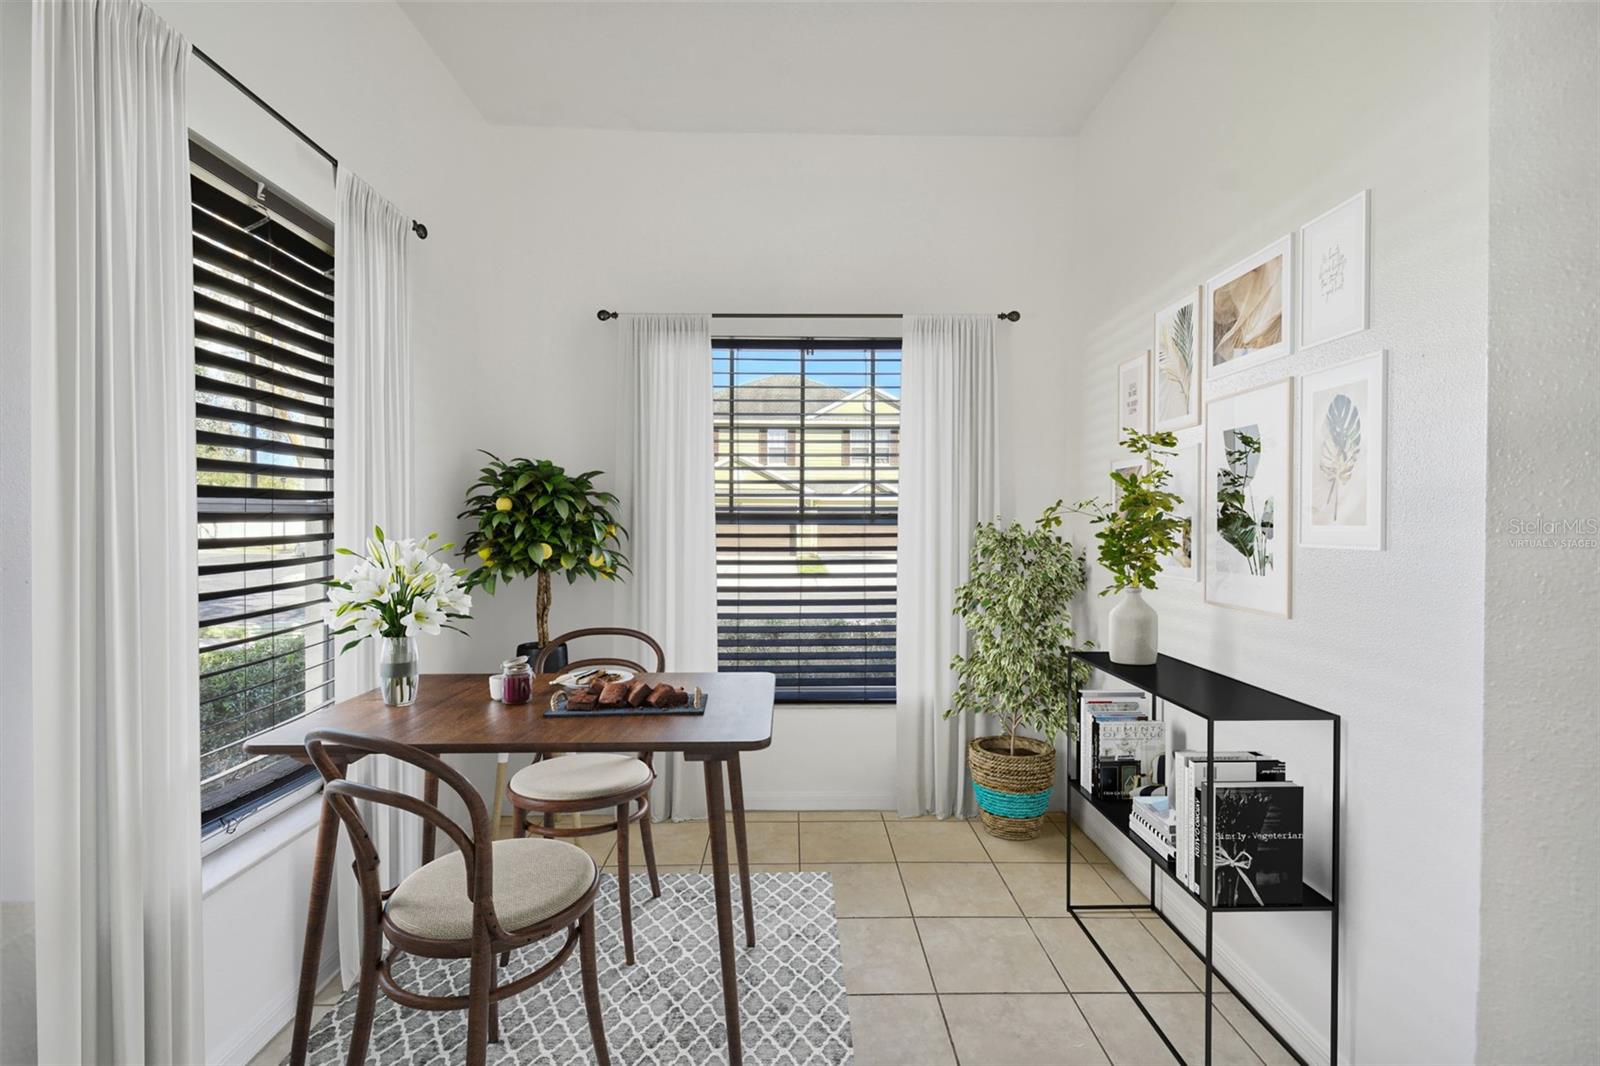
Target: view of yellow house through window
(807,479)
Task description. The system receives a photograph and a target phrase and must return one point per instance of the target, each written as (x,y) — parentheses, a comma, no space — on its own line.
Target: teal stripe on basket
(1012,804)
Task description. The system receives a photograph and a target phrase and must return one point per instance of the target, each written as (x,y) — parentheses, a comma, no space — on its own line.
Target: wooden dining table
(454,715)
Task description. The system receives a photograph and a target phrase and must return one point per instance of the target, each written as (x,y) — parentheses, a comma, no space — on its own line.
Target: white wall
(1235,124)
(1543,584)
(693,222)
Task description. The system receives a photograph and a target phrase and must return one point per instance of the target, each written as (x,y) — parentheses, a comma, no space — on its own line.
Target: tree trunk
(542,607)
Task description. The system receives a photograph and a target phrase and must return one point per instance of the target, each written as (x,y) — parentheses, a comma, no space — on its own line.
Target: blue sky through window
(841,368)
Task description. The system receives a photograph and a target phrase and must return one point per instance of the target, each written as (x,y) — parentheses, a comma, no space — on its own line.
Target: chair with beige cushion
(589,781)
(487,898)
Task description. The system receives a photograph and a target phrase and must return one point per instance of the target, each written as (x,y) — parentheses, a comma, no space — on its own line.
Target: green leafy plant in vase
(1135,530)
(1016,606)
(533,519)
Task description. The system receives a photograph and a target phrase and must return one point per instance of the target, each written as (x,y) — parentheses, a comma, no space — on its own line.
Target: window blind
(807,480)
(263,301)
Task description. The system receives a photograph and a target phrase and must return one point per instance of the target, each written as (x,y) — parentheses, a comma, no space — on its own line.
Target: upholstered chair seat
(585,775)
(534,879)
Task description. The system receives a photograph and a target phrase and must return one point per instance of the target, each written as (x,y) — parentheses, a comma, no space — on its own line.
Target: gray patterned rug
(667,1008)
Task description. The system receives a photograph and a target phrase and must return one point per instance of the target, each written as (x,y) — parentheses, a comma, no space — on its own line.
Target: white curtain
(669,498)
(947,486)
(116,720)
(372,473)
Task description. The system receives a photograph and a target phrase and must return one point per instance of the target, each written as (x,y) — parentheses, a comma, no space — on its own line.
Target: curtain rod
(416,227)
(606,316)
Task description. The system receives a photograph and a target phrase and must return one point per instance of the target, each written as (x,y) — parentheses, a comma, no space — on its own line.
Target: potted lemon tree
(1016,605)
(533,519)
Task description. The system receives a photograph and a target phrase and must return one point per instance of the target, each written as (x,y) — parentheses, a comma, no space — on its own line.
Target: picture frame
(1334,272)
(1249,311)
(1187,465)
(1175,367)
(1124,465)
(1343,454)
(1249,480)
(1133,395)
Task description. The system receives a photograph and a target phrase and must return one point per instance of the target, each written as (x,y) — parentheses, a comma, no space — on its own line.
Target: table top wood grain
(453,713)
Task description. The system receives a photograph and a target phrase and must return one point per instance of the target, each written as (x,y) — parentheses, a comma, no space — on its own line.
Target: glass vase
(399,670)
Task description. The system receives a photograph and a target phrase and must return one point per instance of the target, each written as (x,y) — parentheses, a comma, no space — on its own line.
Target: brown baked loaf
(582,701)
(638,692)
(658,695)
(615,694)
(679,698)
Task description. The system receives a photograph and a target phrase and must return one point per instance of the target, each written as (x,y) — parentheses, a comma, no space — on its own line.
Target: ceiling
(972,69)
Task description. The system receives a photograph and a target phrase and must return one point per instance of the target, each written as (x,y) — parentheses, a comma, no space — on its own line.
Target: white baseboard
(272,1019)
(831,800)
(1310,1042)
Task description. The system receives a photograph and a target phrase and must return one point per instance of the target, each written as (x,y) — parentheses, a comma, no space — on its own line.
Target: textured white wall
(1235,124)
(1542,616)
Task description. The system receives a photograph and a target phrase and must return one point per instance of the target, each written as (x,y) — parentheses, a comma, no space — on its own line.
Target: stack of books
(1119,748)
(1152,822)
(1258,842)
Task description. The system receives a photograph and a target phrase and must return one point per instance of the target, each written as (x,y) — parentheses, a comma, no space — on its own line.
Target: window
(263,300)
(806,542)
(776,447)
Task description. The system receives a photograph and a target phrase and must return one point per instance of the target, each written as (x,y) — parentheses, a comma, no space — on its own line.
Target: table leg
(430,796)
(500,767)
(316,919)
(736,794)
(724,897)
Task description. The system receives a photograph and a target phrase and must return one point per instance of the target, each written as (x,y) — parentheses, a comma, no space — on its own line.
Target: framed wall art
(1333,273)
(1187,485)
(1342,461)
(1133,395)
(1249,464)
(1249,311)
(1175,388)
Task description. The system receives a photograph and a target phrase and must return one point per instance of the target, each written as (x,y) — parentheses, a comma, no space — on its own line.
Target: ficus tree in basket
(534,520)
(1016,604)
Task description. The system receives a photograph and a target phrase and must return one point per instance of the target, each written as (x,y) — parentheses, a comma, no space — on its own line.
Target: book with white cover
(1141,740)
(1102,704)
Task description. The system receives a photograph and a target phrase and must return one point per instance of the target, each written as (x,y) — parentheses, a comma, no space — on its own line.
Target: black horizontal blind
(263,300)
(807,479)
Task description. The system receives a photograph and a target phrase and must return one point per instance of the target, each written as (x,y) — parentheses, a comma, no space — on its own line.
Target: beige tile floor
(958,948)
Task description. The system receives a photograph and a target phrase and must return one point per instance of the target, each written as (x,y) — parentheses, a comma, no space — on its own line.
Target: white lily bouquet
(399,589)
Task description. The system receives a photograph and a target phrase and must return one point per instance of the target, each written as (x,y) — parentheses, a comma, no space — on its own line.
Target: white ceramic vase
(1133,630)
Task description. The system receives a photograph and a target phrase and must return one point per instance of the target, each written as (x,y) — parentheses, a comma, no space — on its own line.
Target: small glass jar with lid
(516,680)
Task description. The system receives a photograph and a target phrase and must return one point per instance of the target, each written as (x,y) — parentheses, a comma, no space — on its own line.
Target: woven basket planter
(1013,790)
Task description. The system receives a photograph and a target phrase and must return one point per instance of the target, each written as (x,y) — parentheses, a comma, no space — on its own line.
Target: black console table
(1214,698)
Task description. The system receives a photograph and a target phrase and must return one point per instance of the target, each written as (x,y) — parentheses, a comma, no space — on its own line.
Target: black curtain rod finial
(1011,316)
(419,229)
(606,316)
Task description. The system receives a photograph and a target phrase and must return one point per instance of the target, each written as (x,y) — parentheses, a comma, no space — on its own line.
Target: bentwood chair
(590,781)
(488,898)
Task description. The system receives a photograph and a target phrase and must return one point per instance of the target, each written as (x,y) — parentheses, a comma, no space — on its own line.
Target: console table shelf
(1214,698)
(1118,812)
